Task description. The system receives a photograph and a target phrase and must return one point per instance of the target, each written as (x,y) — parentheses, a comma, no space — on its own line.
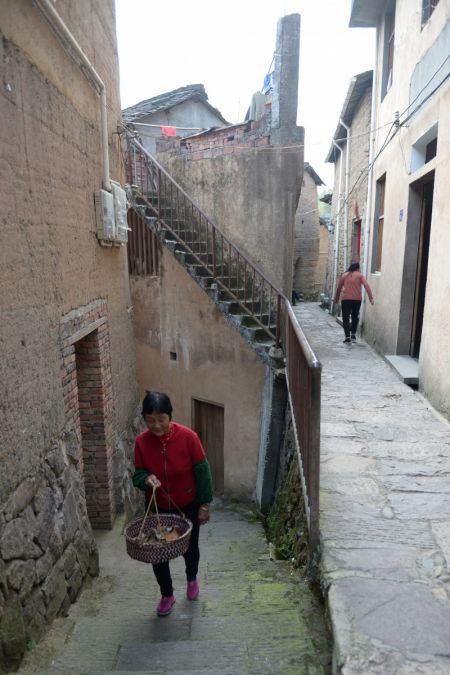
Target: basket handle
(171,500)
(152,499)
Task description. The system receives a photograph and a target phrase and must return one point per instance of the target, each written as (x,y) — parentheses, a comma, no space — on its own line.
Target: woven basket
(158,551)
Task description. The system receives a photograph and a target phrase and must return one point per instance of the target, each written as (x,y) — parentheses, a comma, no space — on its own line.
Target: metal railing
(227,266)
(303,375)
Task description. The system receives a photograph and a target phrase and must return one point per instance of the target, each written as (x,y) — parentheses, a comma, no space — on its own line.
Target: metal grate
(142,249)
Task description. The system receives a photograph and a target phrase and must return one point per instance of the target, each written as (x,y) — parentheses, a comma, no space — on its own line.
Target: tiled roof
(316,178)
(169,100)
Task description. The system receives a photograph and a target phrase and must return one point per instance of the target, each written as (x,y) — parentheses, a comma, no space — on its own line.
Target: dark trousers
(350,309)
(191,557)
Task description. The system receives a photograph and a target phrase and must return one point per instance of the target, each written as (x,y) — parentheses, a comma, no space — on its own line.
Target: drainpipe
(347,174)
(369,186)
(73,48)
(338,218)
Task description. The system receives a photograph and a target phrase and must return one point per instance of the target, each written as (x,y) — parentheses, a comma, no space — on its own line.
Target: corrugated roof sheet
(169,100)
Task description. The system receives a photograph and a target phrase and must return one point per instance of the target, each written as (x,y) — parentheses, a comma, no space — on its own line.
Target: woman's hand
(203,514)
(152,481)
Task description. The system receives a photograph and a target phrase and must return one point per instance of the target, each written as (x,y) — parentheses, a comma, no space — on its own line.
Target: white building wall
(413,45)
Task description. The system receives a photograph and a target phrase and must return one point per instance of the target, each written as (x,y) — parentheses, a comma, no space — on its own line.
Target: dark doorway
(208,423)
(422,267)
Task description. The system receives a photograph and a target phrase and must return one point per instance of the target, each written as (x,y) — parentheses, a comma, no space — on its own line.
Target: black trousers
(350,310)
(191,557)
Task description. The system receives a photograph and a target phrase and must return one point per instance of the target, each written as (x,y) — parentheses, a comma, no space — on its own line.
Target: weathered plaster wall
(51,264)
(214,363)
(252,196)
(382,321)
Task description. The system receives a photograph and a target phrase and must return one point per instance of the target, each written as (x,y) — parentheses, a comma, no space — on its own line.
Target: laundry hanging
(169,131)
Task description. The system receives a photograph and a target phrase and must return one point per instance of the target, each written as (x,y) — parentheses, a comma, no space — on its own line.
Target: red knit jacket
(171,458)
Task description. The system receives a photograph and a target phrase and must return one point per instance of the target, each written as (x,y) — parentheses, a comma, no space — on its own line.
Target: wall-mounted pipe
(73,48)
(347,175)
(368,213)
(338,220)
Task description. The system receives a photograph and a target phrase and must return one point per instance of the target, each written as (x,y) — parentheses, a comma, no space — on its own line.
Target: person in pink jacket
(348,291)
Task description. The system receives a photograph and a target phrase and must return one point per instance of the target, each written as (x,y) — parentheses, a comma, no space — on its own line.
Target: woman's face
(158,423)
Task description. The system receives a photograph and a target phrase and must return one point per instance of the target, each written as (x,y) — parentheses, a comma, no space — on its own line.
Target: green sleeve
(139,477)
(203,480)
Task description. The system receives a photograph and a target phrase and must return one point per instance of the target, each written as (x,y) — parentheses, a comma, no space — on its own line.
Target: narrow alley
(254,615)
(385,508)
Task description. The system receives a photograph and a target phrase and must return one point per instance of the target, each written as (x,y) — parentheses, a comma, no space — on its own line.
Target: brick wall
(224,141)
(88,401)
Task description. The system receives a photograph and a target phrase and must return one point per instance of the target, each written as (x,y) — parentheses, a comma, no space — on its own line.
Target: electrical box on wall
(111,216)
(120,212)
(104,214)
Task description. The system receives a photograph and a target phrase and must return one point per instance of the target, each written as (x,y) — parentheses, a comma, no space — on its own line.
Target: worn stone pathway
(253,615)
(385,511)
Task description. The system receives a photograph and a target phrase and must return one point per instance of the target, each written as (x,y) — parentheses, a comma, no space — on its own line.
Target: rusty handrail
(303,375)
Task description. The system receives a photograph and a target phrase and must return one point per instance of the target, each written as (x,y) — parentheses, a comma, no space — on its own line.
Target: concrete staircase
(238,288)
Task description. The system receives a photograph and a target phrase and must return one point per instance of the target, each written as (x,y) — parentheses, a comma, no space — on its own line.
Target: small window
(428,7)
(430,150)
(379,225)
(388,52)
(425,148)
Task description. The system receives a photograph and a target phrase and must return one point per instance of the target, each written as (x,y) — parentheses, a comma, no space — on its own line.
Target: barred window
(143,249)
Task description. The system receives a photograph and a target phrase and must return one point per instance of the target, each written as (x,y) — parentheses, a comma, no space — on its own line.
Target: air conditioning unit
(104,214)
(120,212)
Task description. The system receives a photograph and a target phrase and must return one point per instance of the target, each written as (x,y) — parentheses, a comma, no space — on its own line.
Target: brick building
(349,152)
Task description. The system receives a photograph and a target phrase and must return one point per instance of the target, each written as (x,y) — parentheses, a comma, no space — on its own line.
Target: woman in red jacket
(170,456)
(350,284)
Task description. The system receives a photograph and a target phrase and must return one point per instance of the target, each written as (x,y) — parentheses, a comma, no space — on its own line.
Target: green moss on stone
(286,523)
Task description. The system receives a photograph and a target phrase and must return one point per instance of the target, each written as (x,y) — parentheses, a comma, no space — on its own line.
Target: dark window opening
(428,7)
(388,55)
(379,225)
(430,151)
(173,356)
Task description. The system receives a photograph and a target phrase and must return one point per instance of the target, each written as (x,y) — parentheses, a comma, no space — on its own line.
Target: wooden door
(208,423)
(422,268)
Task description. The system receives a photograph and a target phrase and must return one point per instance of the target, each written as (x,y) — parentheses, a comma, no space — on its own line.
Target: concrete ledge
(406,367)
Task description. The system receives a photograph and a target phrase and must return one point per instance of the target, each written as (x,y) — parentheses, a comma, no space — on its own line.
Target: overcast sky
(228,47)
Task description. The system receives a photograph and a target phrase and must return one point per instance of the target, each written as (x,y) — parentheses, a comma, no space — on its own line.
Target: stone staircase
(237,287)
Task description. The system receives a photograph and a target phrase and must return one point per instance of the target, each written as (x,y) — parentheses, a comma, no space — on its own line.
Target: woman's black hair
(354,267)
(156,402)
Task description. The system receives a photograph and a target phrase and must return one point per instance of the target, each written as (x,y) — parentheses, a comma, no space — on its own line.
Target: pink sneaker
(165,605)
(193,589)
